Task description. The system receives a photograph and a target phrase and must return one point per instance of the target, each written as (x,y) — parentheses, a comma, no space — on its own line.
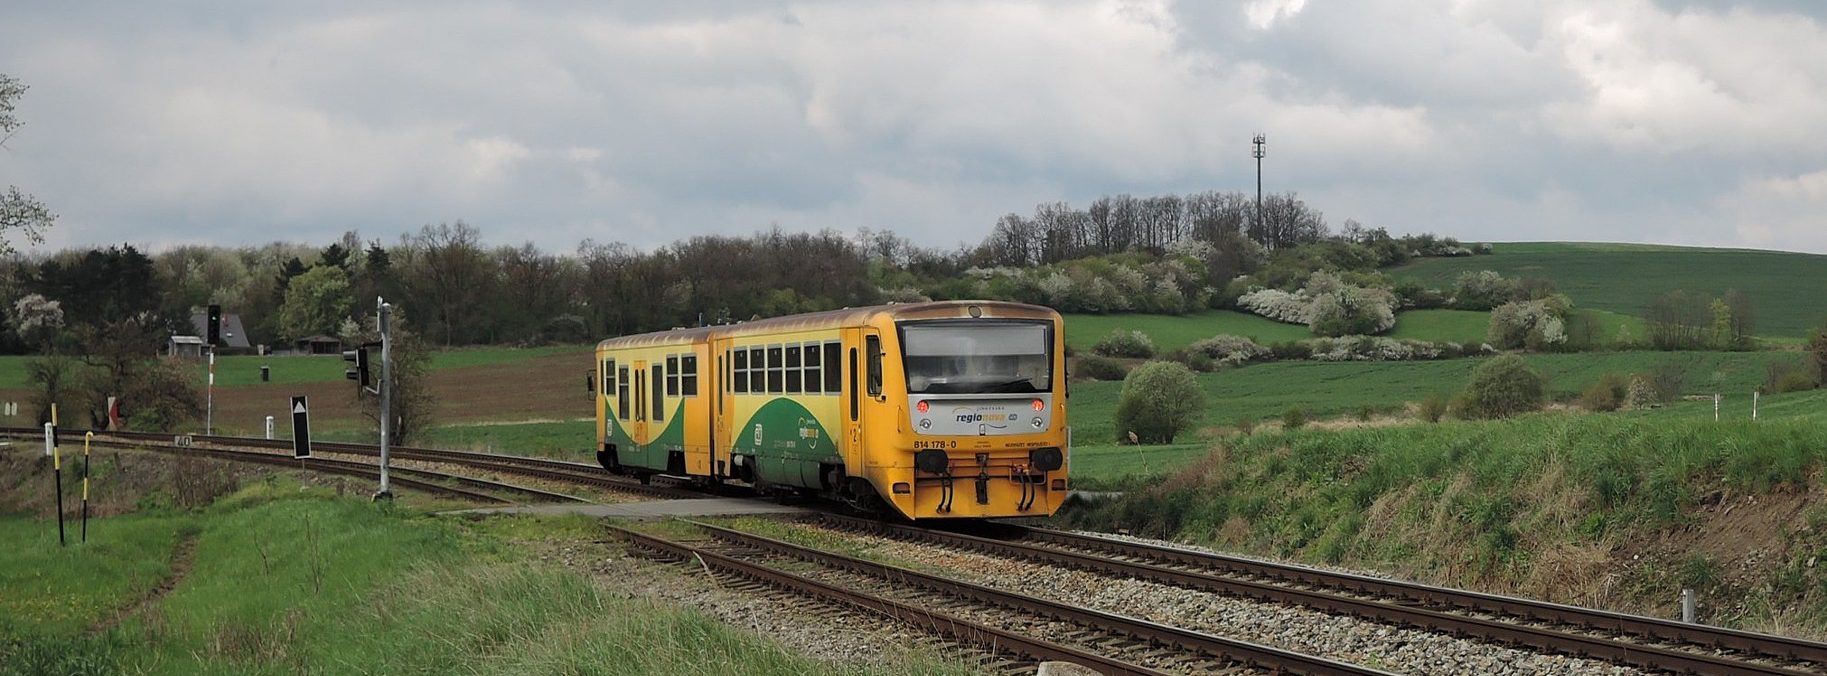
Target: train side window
(688,375)
(853,384)
(740,371)
(874,343)
(672,375)
(621,392)
(834,369)
(758,370)
(775,384)
(794,372)
(608,377)
(659,395)
(812,379)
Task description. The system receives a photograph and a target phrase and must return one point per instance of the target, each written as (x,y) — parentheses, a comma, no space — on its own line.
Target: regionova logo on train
(976,414)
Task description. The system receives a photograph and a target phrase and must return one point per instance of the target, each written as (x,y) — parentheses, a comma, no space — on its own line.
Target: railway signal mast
(361,372)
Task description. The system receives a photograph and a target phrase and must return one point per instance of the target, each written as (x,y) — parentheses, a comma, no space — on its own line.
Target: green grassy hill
(1626,278)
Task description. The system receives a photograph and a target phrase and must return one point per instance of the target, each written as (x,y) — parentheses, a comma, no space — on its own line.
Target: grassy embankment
(1618,510)
(1626,278)
(288,580)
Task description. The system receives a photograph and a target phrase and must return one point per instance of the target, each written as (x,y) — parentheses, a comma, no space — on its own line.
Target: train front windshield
(978,357)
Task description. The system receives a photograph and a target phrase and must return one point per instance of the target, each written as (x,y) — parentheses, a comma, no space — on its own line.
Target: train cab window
(739,371)
(621,392)
(672,375)
(834,369)
(874,344)
(775,382)
(758,370)
(688,375)
(794,374)
(812,380)
(659,395)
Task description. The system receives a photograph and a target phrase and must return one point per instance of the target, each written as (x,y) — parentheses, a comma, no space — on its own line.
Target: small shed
(185,346)
(319,345)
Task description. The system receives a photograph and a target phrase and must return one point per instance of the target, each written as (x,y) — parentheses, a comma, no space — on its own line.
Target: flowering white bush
(1231,350)
(1351,310)
(1120,343)
(1372,348)
(1281,306)
(1058,288)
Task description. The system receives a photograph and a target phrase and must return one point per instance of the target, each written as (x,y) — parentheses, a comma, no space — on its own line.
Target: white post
(209,415)
(269,427)
(386,387)
(48,434)
(1715,407)
(1687,606)
(1754,396)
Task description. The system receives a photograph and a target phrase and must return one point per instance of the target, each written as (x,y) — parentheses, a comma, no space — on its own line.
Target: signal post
(360,371)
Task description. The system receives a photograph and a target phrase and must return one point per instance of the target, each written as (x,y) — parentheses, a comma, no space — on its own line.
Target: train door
(850,401)
(874,418)
(721,391)
(639,425)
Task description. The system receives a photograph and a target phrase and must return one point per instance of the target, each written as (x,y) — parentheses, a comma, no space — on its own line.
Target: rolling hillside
(1626,278)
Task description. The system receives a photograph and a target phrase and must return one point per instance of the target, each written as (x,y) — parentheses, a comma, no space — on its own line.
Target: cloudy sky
(1674,121)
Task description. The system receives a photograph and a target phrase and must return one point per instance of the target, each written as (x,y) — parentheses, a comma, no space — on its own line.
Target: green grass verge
(1520,505)
(1626,278)
(286,582)
(1457,326)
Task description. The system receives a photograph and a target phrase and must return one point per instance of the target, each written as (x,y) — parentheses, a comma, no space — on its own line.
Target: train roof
(810,321)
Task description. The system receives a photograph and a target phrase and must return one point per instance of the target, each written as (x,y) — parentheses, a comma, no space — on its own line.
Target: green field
(245,370)
(1457,326)
(1265,391)
(1626,278)
(290,579)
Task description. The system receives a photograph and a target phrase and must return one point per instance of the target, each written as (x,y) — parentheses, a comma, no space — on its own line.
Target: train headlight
(926,424)
(1039,406)
(1038,423)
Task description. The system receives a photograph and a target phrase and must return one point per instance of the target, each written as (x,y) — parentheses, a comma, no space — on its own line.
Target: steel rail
(964,631)
(1636,625)
(1252,654)
(316,465)
(1649,657)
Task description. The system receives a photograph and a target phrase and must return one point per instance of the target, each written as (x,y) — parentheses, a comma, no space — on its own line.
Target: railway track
(1110,644)
(1637,641)
(557,471)
(469,488)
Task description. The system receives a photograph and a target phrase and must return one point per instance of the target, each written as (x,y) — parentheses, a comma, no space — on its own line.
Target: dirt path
(183,557)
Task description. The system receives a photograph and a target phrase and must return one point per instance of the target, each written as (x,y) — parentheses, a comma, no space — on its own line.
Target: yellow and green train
(951,409)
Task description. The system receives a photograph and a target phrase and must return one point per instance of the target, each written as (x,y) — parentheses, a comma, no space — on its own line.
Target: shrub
(1366,412)
(1433,408)
(1607,394)
(1640,395)
(1231,350)
(1535,324)
(1120,343)
(1788,376)
(1101,368)
(1160,400)
(1817,353)
(1484,290)
(1291,350)
(1193,359)
(1502,387)
(1246,424)
(1294,418)
(1667,380)
(1351,311)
